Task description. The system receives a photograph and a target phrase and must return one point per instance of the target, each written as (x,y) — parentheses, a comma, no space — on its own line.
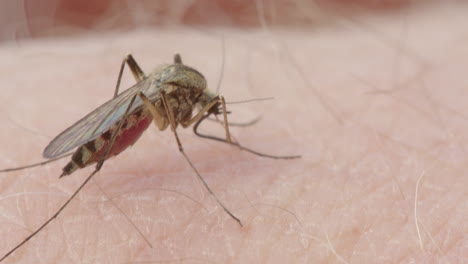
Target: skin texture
(376,106)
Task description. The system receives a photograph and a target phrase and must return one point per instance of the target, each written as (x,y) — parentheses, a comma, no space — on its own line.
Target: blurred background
(21,19)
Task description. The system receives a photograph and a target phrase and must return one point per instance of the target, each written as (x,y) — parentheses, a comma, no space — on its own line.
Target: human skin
(376,106)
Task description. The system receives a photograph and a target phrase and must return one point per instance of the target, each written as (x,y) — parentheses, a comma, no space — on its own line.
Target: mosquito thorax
(183,76)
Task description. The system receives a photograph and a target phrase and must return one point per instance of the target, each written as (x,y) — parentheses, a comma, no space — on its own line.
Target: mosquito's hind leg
(96,170)
(138,74)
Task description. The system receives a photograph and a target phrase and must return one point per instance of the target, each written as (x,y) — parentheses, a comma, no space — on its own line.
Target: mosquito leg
(173,125)
(138,74)
(200,114)
(225,123)
(160,122)
(233,124)
(98,167)
(170,115)
(125,215)
(51,218)
(195,130)
(210,191)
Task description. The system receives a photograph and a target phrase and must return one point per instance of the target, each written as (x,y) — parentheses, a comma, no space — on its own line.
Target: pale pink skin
(382,178)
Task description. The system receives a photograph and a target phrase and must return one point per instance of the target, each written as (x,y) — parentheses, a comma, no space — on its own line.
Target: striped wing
(102,118)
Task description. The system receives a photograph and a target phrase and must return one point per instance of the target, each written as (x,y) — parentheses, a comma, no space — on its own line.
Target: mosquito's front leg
(172,122)
(138,74)
(157,116)
(205,109)
(160,122)
(225,123)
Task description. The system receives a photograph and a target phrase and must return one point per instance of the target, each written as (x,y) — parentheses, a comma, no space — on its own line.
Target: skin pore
(376,106)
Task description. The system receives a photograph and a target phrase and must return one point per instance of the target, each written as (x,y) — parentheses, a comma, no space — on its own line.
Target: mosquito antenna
(223,62)
(35,164)
(195,130)
(251,100)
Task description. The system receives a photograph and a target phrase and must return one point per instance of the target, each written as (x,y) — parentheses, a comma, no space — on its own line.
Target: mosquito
(168,96)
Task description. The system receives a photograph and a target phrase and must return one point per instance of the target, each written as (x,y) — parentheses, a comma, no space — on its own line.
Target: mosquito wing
(102,118)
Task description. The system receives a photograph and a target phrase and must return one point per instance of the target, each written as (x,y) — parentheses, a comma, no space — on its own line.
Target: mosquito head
(206,98)
(185,76)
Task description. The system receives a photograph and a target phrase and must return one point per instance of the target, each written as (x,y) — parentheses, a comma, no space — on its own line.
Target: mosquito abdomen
(93,151)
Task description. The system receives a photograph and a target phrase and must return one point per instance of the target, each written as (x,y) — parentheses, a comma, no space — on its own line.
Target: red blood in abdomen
(129,136)
(124,139)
